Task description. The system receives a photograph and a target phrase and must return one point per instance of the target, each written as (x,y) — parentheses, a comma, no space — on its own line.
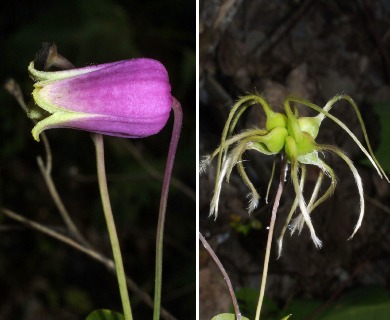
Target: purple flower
(129,98)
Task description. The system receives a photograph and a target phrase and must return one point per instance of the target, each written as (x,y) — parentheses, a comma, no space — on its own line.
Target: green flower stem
(269,239)
(120,273)
(178,119)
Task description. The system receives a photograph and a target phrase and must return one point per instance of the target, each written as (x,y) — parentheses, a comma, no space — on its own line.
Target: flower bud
(129,98)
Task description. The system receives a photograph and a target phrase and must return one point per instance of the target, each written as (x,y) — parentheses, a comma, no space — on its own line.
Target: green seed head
(274,120)
(275,139)
(294,149)
(306,145)
(291,148)
(310,125)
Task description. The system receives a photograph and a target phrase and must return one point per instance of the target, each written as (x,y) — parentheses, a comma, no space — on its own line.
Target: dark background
(41,278)
(313,49)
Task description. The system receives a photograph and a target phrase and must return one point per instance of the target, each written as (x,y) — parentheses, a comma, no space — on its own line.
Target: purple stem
(224,273)
(178,119)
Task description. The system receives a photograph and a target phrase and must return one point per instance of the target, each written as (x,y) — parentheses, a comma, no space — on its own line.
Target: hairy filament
(290,214)
(223,151)
(370,155)
(325,169)
(253,196)
(270,180)
(358,182)
(215,200)
(333,182)
(204,164)
(316,190)
(302,205)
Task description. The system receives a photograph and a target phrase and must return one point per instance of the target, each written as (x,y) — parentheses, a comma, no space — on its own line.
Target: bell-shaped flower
(129,98)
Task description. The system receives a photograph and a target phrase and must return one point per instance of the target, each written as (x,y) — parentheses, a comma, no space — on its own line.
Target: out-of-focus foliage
(368,303)
(383,152)
(244,226)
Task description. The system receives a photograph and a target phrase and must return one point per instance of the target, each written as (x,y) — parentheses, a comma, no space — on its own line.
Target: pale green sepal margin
(49,76)
(227,316)
(287,317)
(57,119)
(45,105)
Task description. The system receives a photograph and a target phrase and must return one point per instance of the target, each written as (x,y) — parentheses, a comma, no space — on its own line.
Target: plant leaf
(227,316)
(105,314)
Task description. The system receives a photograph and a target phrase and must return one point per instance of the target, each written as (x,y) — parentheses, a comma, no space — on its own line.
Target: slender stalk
(58,236)
(178,119)
(120,273)
(59,204)
(270,234)
(224,274)
(14,89)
